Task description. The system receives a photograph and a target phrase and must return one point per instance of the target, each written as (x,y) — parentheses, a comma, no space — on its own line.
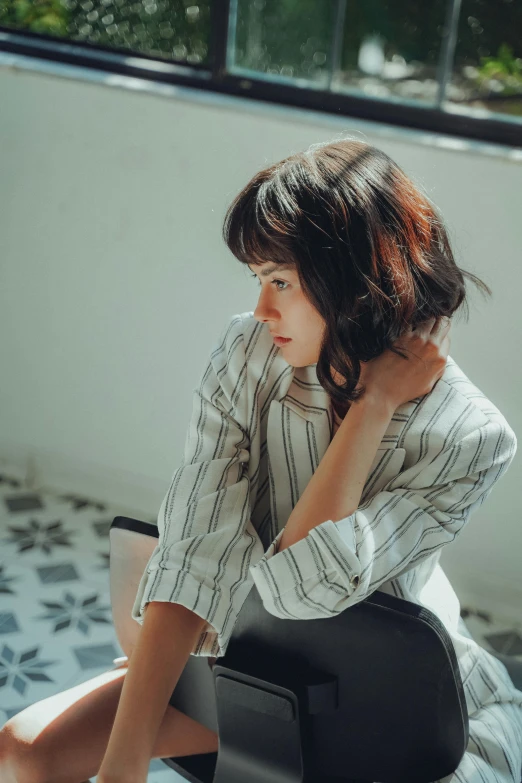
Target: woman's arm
(335,489)
(166,638)
(206,539)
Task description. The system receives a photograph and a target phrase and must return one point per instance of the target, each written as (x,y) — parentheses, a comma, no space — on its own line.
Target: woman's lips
(282,340)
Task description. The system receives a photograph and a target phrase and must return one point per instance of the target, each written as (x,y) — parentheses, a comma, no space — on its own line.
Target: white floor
(55,614)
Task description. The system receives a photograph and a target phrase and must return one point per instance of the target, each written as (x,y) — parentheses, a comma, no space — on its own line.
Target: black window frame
(260,87)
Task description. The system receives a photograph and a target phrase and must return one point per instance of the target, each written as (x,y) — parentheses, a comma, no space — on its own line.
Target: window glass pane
(487,76)
(167,29)
(284,39)
(391,50)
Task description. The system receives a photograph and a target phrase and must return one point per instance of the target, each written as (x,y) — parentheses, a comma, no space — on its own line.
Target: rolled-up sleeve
(338,564)
(206,537)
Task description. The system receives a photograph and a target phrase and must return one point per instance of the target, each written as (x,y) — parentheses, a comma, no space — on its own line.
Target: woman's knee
(21,760)
(5,772)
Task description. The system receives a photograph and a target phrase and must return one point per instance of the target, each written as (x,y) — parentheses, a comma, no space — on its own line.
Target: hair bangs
(255,230)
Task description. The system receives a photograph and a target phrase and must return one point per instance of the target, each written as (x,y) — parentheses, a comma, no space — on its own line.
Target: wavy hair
(369,247)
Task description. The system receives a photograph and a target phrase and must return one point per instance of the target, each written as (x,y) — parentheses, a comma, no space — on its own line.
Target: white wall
(114,280)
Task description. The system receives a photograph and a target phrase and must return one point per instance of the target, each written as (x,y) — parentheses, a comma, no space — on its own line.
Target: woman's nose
(262,309)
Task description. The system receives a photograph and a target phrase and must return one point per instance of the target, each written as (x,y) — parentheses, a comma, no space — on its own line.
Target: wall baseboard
(129,493)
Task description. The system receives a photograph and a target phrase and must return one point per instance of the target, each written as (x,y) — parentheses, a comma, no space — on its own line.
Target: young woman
(319,468)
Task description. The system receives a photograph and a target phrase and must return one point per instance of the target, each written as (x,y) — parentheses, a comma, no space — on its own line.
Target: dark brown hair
(370,249)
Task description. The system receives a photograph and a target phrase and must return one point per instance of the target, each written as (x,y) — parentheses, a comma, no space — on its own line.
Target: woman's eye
(274,282)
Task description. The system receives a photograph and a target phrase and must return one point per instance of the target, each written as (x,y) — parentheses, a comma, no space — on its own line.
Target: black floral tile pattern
(36,535)
(56,626)
(18,669)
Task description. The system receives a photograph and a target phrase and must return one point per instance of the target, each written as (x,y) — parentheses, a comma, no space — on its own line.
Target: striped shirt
(258,430)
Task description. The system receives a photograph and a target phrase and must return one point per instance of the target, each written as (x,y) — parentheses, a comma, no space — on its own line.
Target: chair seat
(200,769)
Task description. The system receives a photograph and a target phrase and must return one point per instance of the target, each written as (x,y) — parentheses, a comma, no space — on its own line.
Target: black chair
(374,693)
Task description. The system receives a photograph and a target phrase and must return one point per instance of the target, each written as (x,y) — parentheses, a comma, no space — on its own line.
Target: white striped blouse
(258,430)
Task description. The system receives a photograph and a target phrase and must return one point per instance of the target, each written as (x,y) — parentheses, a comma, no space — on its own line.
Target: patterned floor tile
(55,617)
(56,626)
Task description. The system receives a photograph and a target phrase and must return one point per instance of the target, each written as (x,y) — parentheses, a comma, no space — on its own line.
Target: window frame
(217,78)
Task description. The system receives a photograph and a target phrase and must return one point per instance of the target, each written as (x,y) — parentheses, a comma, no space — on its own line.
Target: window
(449,66)
(487,71)
(167,29)
(384,49)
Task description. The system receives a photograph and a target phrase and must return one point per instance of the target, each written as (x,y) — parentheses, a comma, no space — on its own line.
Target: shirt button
(354,581)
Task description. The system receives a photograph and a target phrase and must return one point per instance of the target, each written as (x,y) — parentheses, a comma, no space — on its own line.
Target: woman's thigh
(64,737)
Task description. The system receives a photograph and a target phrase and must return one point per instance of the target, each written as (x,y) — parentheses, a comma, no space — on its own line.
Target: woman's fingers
(423,329)
(441,326)
(434,329)
(445,345)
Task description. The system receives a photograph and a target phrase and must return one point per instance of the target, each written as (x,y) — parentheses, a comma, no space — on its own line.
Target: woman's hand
(399,380)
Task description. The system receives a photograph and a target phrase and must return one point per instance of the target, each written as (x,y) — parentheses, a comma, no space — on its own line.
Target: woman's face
(286,311)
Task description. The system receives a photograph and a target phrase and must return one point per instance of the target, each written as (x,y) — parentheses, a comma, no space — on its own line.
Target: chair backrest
(378,687)
(399,711)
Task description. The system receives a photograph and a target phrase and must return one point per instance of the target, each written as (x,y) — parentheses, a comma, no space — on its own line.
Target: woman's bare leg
(63,738)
